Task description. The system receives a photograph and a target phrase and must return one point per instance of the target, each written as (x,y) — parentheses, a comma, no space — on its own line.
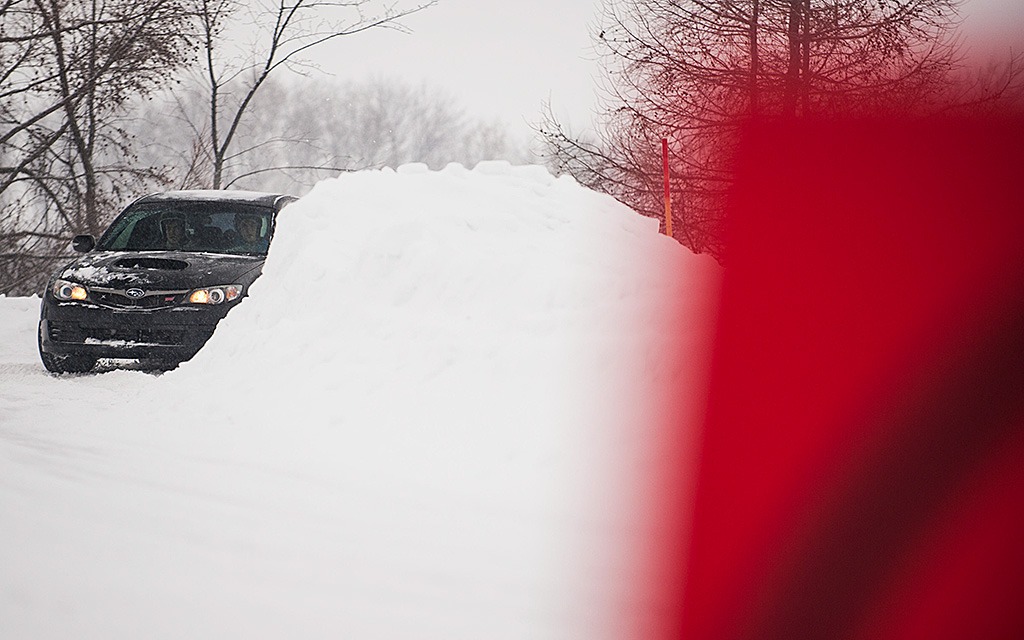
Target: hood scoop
(159,264)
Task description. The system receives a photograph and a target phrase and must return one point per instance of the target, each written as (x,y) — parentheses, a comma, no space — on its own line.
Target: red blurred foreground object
(861,469)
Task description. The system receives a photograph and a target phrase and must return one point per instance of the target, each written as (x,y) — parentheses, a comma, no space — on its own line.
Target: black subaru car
(159,279)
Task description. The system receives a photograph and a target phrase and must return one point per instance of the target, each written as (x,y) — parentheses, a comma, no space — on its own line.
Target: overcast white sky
(505,58)
(502,58)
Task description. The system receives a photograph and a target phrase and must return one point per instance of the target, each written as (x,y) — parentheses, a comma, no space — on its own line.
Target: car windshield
(212,227)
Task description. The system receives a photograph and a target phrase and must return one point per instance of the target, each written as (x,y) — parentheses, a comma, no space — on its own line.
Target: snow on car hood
(166,269)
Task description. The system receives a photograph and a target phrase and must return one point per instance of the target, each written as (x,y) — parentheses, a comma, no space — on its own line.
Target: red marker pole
(668,190)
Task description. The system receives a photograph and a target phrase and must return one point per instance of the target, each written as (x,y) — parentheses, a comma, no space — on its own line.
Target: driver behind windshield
(251,234)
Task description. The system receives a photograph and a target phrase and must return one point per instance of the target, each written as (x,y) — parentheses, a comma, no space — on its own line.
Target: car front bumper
(172,334)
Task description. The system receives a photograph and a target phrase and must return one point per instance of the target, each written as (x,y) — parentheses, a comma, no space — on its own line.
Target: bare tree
(69,71)
(692,71)
(300,130)
(378,123)
(286,29)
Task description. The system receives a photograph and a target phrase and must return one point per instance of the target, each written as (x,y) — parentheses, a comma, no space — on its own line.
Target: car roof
(275,200)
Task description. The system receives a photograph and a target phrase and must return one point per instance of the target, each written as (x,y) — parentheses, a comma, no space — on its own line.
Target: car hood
(161,269)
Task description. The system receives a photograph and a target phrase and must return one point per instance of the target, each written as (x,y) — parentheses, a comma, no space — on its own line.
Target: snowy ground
(430,420)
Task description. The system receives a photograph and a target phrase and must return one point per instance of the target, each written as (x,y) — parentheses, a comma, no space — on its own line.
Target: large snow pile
(429,420)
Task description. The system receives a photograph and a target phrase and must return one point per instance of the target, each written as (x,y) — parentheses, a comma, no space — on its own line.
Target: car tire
(67,364)
(64,364)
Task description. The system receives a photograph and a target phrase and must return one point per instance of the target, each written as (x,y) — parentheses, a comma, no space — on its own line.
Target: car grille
(169,336)
(119,299)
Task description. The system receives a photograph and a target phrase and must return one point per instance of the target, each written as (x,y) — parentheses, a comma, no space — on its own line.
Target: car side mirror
(83,244)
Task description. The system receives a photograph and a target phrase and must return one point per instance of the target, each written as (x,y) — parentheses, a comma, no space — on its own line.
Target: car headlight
(64,290)
(216,295)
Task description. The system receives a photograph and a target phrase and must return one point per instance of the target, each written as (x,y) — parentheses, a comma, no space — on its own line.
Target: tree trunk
(805,60)
(755,61)
(792,86)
